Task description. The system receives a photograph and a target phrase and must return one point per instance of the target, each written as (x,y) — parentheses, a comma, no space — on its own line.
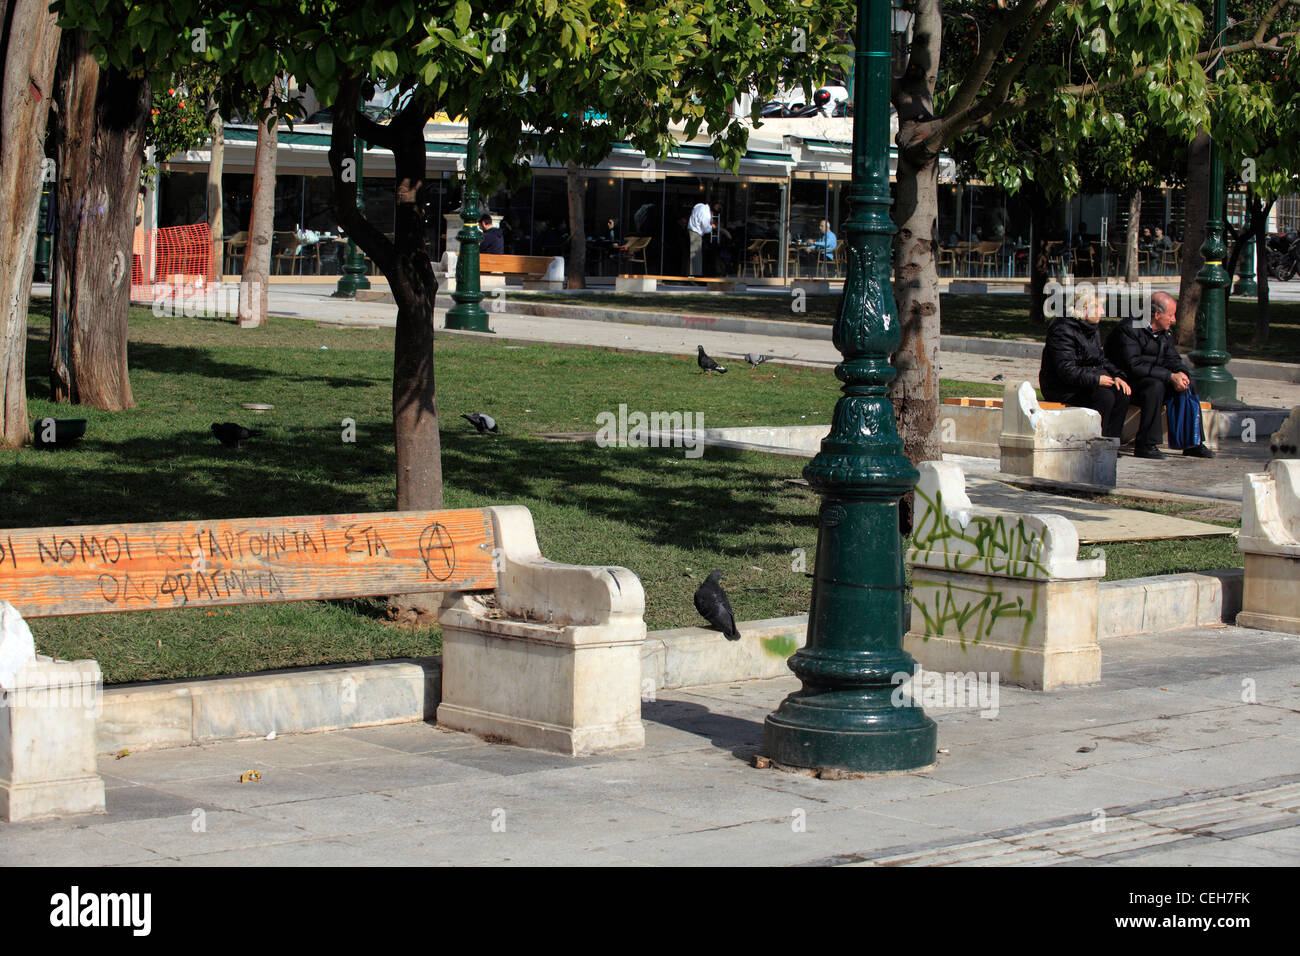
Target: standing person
(493,242)
(699,225)
(1075,369)
(1148,357)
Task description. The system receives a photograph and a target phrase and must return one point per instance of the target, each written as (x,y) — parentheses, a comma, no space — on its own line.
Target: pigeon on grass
(711,601)
(484,423)
(707,364)
(233,435)
(756,360)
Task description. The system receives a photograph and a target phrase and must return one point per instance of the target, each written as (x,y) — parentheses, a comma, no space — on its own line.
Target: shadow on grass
(708,503)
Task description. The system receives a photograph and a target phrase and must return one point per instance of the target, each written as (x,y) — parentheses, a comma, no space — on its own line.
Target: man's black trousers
(1150,394)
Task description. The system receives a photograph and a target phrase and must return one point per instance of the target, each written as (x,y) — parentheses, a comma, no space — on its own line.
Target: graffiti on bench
(83,570)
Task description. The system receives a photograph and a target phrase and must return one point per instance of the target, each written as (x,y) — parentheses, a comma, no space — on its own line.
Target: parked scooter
(1284,255)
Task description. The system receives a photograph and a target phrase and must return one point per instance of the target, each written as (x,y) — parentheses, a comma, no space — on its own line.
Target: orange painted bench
(47,572)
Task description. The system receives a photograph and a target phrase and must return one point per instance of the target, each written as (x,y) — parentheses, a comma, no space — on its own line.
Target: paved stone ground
(1160,764)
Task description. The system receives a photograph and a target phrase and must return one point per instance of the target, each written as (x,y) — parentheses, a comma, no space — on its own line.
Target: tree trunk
(575,270)
(1198,191)
(99,135)
(1131,240)
(405,263)
(254,285)
(216,163)
(915,393)
(30,49)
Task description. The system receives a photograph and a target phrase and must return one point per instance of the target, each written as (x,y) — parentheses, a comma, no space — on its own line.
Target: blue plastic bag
(1184,414)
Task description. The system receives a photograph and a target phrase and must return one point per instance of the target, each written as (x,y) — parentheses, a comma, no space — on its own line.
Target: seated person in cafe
(1149,358)
(825,246)
(1075,370)
(493,242)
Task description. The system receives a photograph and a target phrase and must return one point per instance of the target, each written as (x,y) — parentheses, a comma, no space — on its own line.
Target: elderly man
(1150,361)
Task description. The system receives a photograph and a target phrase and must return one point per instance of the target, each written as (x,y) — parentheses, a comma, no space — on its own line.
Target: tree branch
(993,102)
(989,50)
(373,242)
(1026,102)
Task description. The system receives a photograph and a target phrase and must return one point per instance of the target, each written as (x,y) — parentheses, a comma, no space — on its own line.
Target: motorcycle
(826,101)
(1284,255)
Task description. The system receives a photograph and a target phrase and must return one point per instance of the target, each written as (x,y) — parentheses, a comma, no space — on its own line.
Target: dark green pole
(1246,285)
(467,314)
(354,263)
(844,719)
(42,271)
(1211,378)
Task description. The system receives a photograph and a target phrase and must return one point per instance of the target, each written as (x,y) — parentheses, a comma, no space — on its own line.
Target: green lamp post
(1211,378)
(1246,285)
(843,719)
(467,314)
(353,275)
(43,239)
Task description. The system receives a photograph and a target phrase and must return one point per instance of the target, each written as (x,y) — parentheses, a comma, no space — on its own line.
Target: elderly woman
(1075,369)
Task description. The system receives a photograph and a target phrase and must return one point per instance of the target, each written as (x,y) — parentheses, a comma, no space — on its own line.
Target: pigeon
(707,364)
(232,435)
(711,601)
(756,360)
(484,423)
(996,378)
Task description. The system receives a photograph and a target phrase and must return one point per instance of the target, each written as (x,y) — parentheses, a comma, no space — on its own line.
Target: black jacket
(493,242)
(1073,359)
(1142,352)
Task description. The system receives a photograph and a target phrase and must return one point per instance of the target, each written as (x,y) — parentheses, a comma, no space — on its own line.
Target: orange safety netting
(176,257)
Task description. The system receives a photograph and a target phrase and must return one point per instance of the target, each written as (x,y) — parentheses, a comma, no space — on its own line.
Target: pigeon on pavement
(484,423)
(233,435)
(707,364)
(711,601)
(756,360)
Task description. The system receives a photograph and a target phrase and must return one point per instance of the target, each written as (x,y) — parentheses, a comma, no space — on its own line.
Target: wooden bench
(532,269)
(629,282)
(46,572)
(572,635)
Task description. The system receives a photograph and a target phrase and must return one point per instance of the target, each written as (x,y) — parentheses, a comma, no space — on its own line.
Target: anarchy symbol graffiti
(438,552)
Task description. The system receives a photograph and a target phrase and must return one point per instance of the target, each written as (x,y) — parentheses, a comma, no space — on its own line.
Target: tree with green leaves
(1003,58)
(1257,123)
(529,75)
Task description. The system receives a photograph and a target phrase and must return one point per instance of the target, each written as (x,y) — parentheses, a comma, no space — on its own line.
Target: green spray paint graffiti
(1001,544)
(782,646)
(972,612)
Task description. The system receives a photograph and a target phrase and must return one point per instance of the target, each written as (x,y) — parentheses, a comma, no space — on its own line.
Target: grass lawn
(669,518)
(998,316)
